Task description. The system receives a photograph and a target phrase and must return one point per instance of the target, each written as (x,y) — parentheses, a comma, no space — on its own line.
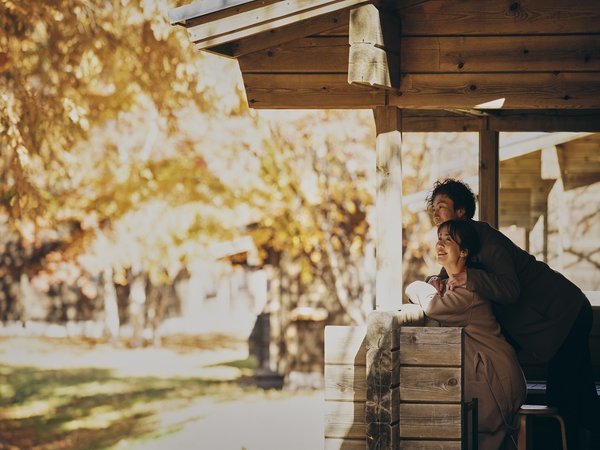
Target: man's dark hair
(463,233)
(460,193)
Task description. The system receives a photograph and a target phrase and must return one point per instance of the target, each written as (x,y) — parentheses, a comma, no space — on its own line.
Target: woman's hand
(437,283)
(458,279)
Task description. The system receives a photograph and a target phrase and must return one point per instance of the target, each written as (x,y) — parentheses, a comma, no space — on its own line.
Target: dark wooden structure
(482,66)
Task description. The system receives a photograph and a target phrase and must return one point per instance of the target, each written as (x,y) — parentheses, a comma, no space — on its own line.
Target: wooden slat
(344,444)
(511,90)
(445,54)
(271,16)
(548,120)
(347,382)
(430,384)
(406,444)
(311,91)
(454,54)
(430,421)
(284,43)
(476,17)
(539,90)
(345,420)
(345,345)
(430,346)
(207,10)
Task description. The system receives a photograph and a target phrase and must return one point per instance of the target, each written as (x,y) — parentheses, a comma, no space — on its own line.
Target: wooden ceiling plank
(545,120)
(209,10)
(308,55)
(508,90)
(272,16)
(261,47)
(463,54)
(448,54)
(311,91)
(477,17)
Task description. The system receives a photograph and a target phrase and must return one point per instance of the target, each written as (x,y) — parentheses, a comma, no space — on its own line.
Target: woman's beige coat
(492,373)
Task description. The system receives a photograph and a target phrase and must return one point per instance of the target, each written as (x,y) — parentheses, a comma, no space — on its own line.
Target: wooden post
(489,179)
(388,204)
(382,404)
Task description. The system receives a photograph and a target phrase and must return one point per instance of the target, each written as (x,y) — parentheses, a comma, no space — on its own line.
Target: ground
(190,394)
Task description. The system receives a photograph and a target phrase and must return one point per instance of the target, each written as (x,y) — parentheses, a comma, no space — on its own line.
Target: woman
(491,370)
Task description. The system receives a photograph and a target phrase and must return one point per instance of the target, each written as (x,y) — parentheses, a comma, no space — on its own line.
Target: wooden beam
(508,90)
(374,54)
(426,91)
(467,54)
(489,180)
(311,91)
(476,17)
(313,54)
(388,204)
(263,19)
(444,54)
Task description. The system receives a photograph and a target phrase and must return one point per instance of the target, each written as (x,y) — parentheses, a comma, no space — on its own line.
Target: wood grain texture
(345,420)
(489,176)
(345,345)
(430,421)
(429,384)
(345,444)
(480,17)
(345,382)
(444,54)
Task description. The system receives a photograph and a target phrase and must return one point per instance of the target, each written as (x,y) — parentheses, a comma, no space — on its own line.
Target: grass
(94,408)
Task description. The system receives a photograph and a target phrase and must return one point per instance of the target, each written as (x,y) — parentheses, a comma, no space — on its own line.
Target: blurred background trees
(125,156)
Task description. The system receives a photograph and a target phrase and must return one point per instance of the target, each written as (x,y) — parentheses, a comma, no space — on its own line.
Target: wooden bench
(394,384)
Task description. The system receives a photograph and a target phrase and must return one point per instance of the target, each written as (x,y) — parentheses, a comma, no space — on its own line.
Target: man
(540,310)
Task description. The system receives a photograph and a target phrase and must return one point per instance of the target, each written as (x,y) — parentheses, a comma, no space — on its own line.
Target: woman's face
(448,251)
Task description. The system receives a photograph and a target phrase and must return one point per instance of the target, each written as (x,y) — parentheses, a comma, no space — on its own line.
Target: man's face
(443,209)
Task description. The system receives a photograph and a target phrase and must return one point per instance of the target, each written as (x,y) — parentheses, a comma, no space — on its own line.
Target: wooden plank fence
(394,384)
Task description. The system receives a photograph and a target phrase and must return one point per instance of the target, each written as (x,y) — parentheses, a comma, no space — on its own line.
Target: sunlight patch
(99,418)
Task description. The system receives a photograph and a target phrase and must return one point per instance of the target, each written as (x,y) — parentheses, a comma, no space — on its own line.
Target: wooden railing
(396,383)
(393,384)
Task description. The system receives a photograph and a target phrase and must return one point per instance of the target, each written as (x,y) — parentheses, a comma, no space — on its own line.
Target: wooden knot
(452,382)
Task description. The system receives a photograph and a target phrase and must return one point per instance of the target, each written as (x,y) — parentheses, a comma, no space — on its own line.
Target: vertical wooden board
(345,444)
(430,384)
(430,421)
(345,382)
(345,420)
(489,180)
(345,345)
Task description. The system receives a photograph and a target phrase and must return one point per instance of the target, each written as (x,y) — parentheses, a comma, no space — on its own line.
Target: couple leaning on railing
(507,301)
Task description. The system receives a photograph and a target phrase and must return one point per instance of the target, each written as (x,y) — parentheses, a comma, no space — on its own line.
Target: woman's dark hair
(463,233)
(458,191)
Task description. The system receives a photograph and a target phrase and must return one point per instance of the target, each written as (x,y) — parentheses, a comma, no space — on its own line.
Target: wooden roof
(467,65)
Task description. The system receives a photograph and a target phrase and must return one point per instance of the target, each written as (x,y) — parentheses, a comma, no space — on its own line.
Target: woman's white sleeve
(420,293)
